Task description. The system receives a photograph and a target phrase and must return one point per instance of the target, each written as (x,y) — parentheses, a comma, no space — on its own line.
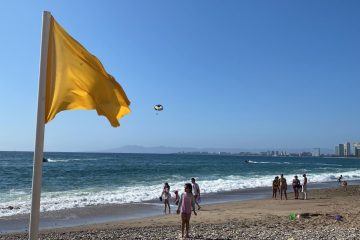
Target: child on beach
(186,205)
(340,178)
(176,200)
(165,195)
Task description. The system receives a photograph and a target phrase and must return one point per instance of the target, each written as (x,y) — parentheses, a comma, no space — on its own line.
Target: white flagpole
(40,129)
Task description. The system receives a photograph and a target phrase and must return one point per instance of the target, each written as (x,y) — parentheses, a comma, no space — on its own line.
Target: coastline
(122,212)
(118,212)
(257,215)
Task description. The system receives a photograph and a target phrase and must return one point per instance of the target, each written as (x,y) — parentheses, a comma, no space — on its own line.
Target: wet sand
(252,219)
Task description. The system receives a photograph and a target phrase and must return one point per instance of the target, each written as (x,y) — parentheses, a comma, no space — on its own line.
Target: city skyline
(348,149)
(251,151)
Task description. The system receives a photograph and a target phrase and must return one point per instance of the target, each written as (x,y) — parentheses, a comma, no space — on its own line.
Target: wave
(70,160)
(250,161)
(52,201)
(276,163)
(328,164)
(295,163)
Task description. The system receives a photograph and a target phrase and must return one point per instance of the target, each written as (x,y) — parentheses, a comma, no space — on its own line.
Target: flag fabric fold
(76,79)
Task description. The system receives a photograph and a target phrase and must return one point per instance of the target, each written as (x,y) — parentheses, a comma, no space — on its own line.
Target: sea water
(76,180)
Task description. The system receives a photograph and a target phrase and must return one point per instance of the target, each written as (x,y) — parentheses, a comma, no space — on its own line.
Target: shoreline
(122,212)
(251,219)
(106,214)
(118,212)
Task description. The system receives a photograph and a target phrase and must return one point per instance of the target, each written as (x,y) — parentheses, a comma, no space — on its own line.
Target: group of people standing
(186,202)
(279,185)
(166,195)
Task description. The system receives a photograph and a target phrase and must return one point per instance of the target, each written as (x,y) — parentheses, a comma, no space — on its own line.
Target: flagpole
(40,129)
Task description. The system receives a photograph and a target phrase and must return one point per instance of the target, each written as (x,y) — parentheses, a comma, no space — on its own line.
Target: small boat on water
(45,160)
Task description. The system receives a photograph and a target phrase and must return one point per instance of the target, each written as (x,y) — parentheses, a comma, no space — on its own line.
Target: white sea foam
(278,163)
(328,164)
(51,201)
(59,160)
(250,161)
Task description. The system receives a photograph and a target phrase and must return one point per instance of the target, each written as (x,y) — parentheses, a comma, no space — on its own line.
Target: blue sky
(230,74)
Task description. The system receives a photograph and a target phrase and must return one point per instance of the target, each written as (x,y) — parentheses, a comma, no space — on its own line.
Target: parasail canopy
(158,107)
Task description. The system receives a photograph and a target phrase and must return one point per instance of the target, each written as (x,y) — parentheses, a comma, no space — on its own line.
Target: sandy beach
(254,219)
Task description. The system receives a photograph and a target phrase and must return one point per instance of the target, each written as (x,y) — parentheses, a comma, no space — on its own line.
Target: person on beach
(278,179)
(275,187)
(340,178)
(283,186)
(186,205)
(342,182)
(166,195)
(296,186)
(177,198)
(304,187)
(196,192)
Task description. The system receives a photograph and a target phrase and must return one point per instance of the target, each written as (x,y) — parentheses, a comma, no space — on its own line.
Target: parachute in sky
(158,107)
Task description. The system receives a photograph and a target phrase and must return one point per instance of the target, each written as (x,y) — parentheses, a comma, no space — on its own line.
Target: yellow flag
(77,80)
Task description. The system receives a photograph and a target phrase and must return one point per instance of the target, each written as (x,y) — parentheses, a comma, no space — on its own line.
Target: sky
(229,74)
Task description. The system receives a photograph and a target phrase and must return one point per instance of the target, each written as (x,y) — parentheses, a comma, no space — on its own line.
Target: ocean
(78,180)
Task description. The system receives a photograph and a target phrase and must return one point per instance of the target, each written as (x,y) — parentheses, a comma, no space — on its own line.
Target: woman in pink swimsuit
(186,205)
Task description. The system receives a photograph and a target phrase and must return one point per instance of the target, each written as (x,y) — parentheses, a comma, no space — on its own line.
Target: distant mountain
(167,150)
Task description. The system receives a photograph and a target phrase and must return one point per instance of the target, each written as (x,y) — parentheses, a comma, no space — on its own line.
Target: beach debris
(338,217)
(304,215)
(292,216)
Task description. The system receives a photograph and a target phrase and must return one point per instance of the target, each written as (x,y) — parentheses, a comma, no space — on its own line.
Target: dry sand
(255,219)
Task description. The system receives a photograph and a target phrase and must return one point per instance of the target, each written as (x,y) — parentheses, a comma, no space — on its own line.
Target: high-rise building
(341,150)
(316,152)
(357,149)
(357,152)
(347,149)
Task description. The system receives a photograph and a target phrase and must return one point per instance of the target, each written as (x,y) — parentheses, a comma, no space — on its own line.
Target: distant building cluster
(347,150)
(263,154)
(341,150)
(284,154)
